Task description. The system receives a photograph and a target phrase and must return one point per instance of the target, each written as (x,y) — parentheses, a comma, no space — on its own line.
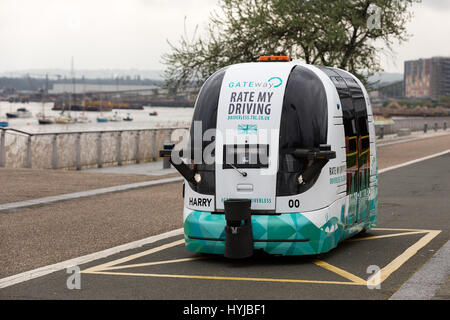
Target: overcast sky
(125,34)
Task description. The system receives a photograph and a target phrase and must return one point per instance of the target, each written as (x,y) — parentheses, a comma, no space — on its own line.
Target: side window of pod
(303,126)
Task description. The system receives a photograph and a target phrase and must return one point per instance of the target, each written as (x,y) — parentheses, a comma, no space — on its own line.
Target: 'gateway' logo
(273,82)
(276,81)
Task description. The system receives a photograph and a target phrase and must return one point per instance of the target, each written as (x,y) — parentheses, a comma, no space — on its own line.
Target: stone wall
(90,149)
(81,149)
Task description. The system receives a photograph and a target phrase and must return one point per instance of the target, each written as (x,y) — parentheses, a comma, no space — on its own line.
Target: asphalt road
(38,236)
(413,204)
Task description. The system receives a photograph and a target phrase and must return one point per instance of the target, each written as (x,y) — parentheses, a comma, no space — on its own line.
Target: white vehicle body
(284,107)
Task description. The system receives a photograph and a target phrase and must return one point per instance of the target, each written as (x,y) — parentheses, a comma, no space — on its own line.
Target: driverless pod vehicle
(281,158)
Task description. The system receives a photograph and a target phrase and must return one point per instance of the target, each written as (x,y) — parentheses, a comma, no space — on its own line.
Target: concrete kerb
(424,284)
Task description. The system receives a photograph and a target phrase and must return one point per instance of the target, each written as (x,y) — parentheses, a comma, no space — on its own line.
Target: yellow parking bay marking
(341,272)
(397,229)
(182,276)
(113,265)
(146,264)
(404,232)
(386,236)
(135,256)
(382,275)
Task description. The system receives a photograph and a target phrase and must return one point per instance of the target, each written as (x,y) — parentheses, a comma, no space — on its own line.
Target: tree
(340,33)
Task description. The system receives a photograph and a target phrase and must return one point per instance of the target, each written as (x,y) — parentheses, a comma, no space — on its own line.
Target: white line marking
(85,194)
(414,161)
(28,275)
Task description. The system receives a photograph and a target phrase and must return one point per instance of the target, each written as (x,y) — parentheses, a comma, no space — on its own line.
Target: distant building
(68,87)
(427,78)
(393,90)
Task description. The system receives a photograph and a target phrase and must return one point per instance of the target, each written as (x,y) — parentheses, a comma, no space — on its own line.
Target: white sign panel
(248,121)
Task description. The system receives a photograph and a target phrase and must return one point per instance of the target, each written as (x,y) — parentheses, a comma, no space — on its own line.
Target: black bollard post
(381,132)
(238,231)
(166,160)
(425,127)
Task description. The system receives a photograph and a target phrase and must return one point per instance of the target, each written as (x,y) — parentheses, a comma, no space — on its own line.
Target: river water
(167,117)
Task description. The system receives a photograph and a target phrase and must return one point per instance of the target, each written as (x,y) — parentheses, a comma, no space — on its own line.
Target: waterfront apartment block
(427,78)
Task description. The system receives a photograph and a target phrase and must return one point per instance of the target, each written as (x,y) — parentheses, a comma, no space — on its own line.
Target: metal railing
(80,148)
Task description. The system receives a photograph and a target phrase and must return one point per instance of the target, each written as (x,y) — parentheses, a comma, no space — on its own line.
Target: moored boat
(45,120)
(128,118)
(115,117)
(64,119)
(20,113)
(82,119)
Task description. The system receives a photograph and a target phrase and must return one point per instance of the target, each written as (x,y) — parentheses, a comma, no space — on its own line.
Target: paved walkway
(85,194)
(416,135)
(29,184)
(444,292)
(391,154)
